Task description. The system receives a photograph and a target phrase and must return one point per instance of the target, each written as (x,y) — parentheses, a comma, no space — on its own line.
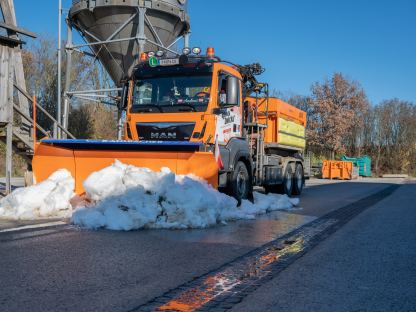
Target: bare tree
(333,113)
(41,72)
(93,121)
(397,135)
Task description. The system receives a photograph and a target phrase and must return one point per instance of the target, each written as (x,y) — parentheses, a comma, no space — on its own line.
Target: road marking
(33,226)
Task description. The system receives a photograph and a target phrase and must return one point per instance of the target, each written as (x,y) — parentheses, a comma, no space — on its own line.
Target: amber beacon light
(143,57)
(210,52)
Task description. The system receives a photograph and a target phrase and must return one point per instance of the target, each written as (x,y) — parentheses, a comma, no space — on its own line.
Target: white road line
(33,226)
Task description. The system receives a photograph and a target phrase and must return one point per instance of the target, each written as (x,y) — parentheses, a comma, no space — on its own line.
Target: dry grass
(19,164)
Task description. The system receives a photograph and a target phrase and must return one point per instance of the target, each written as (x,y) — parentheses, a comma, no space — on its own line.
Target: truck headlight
(196,51)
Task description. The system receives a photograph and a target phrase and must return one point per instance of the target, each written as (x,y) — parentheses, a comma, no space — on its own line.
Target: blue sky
(298,41)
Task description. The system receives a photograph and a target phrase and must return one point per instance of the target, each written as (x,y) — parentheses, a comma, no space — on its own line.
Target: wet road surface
(368,265)
(67,269)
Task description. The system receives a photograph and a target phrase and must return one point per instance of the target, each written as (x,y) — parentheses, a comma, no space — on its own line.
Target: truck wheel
(240,184)
(298,180)
(287,186)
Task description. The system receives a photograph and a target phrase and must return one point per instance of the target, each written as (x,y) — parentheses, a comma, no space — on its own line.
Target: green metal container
(363,163)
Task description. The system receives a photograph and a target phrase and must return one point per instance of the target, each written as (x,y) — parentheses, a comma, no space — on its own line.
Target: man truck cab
(199,99)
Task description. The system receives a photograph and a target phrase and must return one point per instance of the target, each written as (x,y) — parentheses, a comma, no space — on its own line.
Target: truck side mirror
(124,99)
(233,89)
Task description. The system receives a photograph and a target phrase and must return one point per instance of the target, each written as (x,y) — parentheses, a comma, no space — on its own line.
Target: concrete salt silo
(119,30)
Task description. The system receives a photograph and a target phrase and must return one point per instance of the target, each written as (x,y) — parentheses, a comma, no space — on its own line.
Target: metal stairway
(17,127)
(22,143)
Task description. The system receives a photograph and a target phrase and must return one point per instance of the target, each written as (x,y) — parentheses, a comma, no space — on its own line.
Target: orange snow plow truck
(195,115)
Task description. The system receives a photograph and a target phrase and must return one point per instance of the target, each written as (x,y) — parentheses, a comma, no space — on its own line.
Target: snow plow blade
(83,157)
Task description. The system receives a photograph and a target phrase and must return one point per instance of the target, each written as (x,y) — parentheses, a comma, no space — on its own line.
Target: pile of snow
(44,200)
(123,197)
(128,198)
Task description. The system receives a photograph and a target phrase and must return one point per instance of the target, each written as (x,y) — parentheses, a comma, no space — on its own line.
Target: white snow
(44,200)
(130,198)
(123,197)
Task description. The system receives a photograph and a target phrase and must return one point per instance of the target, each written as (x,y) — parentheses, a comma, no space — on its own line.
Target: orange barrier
(332,169)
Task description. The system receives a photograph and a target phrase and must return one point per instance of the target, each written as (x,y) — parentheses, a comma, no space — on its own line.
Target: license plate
(169,62)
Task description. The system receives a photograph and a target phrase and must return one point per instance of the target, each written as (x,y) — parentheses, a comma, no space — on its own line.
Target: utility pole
(68,50)
(57,132)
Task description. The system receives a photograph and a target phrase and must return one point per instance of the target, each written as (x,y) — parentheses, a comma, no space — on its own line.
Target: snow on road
(129,198)
(44,200)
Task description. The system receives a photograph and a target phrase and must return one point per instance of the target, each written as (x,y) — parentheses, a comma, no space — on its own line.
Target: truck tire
(287,186)
(298,180)
(240,185)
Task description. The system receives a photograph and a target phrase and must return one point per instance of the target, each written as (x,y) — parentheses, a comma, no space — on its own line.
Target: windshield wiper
(148,108)
(190,106)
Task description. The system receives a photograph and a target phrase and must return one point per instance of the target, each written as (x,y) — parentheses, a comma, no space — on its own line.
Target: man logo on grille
(163,135)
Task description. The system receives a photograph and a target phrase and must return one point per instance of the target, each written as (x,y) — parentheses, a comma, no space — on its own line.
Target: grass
(19,164)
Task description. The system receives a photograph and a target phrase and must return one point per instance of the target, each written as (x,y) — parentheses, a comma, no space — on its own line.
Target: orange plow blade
(83,157)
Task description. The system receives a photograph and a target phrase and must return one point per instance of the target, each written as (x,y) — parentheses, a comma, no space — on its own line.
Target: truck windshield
(172,94)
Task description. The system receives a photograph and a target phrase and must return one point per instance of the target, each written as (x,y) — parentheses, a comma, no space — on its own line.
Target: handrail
(18,30)
(44,111)
(28,118)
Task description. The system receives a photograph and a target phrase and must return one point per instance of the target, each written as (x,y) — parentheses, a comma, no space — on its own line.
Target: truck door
(229,118)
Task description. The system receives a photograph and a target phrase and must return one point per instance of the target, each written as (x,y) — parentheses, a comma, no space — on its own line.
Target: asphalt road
(62,268)
(368,265)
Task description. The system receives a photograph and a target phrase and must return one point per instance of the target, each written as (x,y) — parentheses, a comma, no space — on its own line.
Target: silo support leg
(141,36)
(9,157)
(186,38)
(9,127)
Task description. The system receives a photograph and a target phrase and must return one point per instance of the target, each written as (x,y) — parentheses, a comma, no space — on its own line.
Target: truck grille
(165,131)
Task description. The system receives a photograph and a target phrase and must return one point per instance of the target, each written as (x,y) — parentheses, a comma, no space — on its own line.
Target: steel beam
(141,36)
(173,43)
(186,38)
(4,78)
(94,91)
(57,133)
(17,30)
(102,42)
(68,50)
(122,26)
(152,29)
(119,124)
(9,127)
